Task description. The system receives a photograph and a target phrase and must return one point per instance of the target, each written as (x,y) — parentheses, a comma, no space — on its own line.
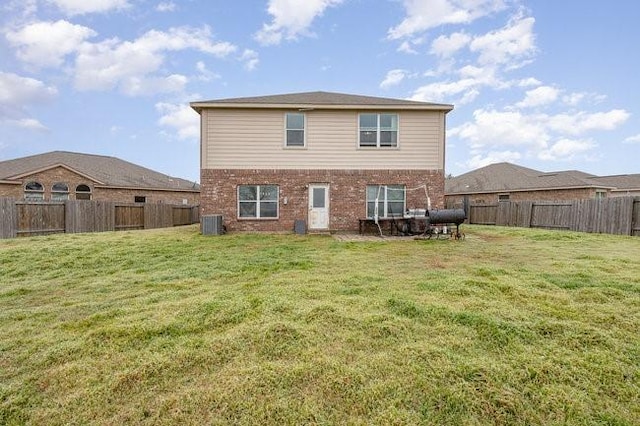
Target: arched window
(59,192)
(33,191)
(83,192)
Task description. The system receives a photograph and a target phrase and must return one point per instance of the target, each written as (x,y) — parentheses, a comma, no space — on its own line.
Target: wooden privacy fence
(609,215)
(23,218)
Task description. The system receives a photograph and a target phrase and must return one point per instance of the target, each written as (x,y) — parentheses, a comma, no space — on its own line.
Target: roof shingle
(320,99)
(109,171)
(511,177)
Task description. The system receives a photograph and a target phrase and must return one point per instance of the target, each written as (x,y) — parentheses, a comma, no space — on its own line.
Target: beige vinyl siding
(243,139)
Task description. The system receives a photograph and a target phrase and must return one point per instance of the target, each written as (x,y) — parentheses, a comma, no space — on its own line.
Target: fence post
(8,218)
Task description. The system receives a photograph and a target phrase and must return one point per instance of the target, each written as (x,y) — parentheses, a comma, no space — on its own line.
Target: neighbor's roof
(321,100)
(103,170)
(504,177)
(620,182)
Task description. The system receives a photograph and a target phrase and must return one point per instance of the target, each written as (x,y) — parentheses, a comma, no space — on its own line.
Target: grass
(510,326)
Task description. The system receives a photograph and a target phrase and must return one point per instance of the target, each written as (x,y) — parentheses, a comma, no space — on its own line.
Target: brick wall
(347,194)
(11,191)
(60,174)
(550,195)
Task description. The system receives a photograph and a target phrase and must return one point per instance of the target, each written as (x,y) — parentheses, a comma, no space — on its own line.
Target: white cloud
(291,19)
(539,96)
(541,135)
(425,14)
(393,78)
(566,149)
(18,91)
(250,59)
(80,7)
(491,128)
(633,139)
(22,8)
(166,6)
(462,91)
(406,47)
(528,82)
(492,157)
(582,122)
(577,98)
(138,86)
(507,46)
(113,63)
(204,73)
(47,43)
(446,46)
(26,123)
(180,117)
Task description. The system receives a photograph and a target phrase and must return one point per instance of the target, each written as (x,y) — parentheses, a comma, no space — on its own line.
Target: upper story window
(139,199)
(294,123)
(378,130)
(83,192)
(59,192)
(503,197)
(391,200)
(33,191)
(258,201)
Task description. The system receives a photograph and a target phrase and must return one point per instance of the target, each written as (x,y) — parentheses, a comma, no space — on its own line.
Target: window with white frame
(391,200)
(33,191)
(378,130)
(294,123)
(59,192)
(258,201)
(83,192)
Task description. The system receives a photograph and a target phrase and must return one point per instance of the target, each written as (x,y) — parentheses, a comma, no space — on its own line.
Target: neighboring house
(506,181)
(319,157)
(59,175)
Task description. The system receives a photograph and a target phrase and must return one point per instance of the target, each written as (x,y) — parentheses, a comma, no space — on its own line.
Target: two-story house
(324,158)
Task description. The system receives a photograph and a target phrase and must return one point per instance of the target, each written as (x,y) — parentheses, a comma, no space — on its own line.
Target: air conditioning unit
(212,224)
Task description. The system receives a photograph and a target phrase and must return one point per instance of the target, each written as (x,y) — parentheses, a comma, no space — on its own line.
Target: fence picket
(21,218)
(620,215)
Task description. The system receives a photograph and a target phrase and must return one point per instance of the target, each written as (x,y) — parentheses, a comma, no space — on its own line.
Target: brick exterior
(347,194)
(122,195)
(546,195)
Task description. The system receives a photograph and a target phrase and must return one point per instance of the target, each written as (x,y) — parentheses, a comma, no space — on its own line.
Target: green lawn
(510,326)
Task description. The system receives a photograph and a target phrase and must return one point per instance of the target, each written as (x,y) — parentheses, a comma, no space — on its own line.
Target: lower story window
(83,192)
(33,191)
(258,201)
(391,200)
(59,192)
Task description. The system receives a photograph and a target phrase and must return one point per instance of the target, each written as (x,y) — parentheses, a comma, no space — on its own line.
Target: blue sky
(550,85)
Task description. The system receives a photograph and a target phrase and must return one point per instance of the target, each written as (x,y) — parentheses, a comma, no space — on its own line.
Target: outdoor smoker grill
(434,222)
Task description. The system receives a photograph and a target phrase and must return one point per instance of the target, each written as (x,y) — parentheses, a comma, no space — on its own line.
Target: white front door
(319,206)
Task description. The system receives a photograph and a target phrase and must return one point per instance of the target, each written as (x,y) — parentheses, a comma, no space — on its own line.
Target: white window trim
(58,195)
(277,201)
(386,201)
(396,146)
(304,131)
(33,194)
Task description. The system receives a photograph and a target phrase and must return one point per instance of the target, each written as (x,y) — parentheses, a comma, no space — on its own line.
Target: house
(60,175)
(324,158)
(506,181)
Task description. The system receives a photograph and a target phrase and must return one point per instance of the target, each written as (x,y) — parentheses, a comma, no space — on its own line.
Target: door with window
(319,206)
